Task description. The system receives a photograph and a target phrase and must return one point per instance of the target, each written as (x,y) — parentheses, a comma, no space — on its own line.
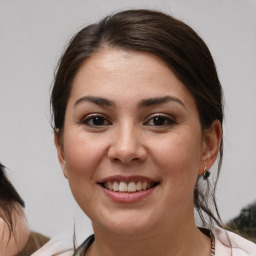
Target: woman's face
(132,146)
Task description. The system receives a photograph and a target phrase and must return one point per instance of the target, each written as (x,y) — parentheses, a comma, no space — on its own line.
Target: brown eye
(95,120)
(160,120)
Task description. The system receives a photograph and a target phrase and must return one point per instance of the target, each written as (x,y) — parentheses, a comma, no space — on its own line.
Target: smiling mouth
(128,187)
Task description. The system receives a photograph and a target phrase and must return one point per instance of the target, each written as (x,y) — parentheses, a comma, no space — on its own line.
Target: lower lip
(122,197)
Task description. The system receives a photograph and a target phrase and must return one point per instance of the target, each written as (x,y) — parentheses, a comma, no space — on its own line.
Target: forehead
(125,72)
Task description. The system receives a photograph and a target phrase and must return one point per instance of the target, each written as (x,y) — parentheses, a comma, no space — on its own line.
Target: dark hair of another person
(178,45)
(9,197)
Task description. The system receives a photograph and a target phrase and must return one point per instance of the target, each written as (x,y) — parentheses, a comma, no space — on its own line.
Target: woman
(15,237)
(137,109)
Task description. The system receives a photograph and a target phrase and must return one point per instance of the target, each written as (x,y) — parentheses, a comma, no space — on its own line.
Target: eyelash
(163,121)
(95,117)
(168,121)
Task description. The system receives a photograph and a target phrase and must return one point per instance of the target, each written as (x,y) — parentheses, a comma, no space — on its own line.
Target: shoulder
(226,242)
(60,247)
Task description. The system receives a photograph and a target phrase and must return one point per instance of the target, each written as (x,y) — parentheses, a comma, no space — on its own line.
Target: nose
(127,146)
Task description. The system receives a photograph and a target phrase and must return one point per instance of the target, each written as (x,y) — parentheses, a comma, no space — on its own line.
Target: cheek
(179,158)
(82,153)
(178,152)
(180,161)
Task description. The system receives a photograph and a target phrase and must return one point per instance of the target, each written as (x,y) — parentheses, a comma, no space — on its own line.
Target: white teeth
(131,187)
(123,186)
(110,186)
(144,185)
(115,186)
(139,186)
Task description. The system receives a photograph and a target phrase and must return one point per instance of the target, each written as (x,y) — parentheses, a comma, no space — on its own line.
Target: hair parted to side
(178,45)
(9,199)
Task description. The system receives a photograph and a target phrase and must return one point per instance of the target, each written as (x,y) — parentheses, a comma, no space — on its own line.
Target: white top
(226,244)
(229,243)
(55,247)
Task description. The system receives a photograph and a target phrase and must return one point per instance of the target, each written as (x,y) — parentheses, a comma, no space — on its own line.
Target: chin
(127,223)
(127,229)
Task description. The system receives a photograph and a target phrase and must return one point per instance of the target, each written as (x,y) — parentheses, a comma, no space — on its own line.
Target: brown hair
(9,198)
(178,45)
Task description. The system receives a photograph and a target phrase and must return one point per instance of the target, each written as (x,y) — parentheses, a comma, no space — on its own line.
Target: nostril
(126,148)
(126,160)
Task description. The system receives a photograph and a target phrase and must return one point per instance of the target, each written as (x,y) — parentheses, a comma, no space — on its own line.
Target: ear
(60,152)
(211,143)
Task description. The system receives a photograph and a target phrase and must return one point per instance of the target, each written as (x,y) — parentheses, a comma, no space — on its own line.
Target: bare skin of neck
(177,239)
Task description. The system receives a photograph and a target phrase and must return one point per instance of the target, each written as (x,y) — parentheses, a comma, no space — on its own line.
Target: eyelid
(89,117)
(170,118)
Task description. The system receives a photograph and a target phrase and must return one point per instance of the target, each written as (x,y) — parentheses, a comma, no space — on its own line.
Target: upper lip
(127,179)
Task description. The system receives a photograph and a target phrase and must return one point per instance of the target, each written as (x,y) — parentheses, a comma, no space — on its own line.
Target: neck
(172,240)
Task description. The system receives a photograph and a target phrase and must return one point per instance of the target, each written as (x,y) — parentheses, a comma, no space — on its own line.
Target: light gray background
(33,35)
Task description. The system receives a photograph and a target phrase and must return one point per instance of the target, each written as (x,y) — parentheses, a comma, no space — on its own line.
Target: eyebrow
(159,100)
(96,100)
(143,103)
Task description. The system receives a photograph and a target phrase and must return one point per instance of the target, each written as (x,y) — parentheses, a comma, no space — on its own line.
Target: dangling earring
(206,174)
